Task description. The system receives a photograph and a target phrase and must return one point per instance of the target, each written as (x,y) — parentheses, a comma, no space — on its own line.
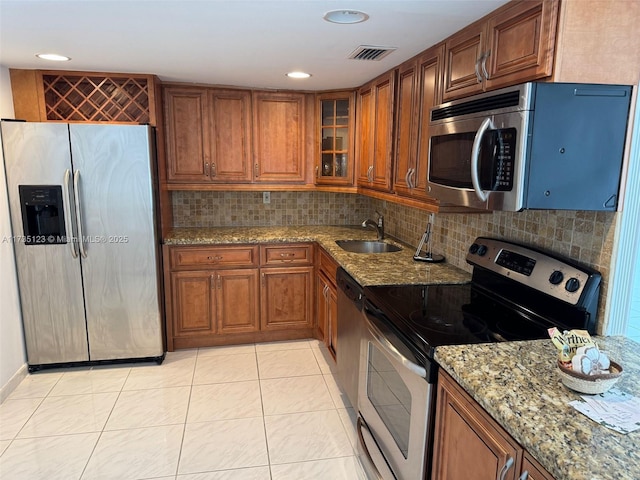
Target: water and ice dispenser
(42,214)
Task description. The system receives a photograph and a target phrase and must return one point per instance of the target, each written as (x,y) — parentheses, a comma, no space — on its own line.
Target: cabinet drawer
(327,264)
(218,257)
(298,254)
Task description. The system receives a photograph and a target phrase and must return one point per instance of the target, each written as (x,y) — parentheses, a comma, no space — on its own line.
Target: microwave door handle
(475,159)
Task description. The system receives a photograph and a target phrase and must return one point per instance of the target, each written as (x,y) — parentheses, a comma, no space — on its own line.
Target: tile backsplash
(230,209)
(584,236)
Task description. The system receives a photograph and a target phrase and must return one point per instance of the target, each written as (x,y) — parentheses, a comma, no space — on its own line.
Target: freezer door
(115,210)
(48,275)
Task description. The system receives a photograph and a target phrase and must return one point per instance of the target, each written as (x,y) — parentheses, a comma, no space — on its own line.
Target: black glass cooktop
(435,315)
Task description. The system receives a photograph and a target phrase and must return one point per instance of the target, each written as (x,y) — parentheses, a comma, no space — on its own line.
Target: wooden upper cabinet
(365,127)
(335,115)
(418,92)
(186,134)
(463,54)
(406,109)
(375,132)
(279,137)
(229,126)
(521,43)
(71,96)
(208,135)
(513,44)
(430,95)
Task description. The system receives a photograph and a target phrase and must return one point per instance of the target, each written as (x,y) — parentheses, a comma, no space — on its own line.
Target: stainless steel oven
(516,293)
(395,399)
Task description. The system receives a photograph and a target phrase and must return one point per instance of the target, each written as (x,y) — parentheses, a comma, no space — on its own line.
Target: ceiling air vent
(370,52)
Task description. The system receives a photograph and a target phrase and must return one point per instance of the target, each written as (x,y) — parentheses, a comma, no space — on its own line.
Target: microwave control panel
(499,149)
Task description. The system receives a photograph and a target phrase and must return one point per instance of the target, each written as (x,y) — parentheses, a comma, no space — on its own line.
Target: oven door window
(390,397)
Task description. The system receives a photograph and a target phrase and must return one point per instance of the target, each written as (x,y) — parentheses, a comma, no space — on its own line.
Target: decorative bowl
(589,384)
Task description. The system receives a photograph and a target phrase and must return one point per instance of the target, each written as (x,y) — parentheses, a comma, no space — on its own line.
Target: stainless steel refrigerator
(81,198)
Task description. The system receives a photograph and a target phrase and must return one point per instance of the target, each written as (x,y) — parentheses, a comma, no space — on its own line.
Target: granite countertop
(517,384)
(395,268)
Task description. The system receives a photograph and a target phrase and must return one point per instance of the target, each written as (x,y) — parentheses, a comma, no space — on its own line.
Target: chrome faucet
(379,225)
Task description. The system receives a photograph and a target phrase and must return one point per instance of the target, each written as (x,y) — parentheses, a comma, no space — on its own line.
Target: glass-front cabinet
(334,165)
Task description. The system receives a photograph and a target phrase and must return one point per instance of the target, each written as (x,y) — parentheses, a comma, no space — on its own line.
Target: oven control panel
(550,274)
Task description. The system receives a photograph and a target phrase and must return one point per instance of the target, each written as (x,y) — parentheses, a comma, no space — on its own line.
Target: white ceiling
(250,43)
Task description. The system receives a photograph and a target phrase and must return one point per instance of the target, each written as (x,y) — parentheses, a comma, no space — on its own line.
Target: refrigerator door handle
(76,193)
(67,215)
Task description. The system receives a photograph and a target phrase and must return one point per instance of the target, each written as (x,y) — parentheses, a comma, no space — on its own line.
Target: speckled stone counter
(396,268)
(517,384)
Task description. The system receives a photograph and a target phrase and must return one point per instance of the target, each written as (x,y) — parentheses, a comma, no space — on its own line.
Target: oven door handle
(487,123)
(392,350)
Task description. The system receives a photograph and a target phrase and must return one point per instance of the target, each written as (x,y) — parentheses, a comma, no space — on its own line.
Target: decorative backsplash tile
(584,236)
(229,209)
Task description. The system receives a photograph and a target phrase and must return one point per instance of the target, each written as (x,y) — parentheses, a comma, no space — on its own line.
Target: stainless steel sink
(367,246)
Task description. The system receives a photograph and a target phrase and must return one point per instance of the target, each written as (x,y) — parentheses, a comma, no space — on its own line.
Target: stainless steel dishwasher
(350,331)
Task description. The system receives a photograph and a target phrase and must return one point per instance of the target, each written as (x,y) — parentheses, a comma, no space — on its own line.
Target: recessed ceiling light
(53,57)
(298,75)
(345,16)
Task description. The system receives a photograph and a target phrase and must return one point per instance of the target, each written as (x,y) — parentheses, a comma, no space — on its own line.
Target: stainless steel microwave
(532,146)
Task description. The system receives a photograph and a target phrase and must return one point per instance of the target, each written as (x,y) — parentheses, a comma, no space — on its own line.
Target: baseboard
(8,388)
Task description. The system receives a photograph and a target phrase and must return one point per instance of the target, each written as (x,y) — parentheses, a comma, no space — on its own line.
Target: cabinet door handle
(369,174)
(317,171)
(505,468)
(484,64)
(287,257)
(411,175)
(406,178)
(256,170)
(524,476)
(263,280)
(213,170)
(219,282)
(206,169)
(477,67)
(213,281)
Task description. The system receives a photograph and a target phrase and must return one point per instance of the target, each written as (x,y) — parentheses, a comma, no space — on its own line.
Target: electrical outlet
(266,197)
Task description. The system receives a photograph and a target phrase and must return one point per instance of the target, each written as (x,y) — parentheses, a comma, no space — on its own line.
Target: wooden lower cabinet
(231,294)
(211,302)
(286,294)
(327,301)
(532,470)
(470,444)
(237,301)
(193,299)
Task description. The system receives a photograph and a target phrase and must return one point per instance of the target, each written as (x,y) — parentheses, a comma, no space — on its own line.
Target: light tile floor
(247,412)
